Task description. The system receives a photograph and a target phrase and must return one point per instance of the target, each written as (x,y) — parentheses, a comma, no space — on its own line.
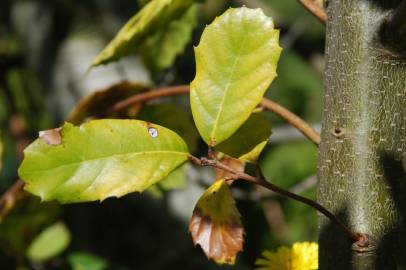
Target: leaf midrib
(107,157)
(237,58)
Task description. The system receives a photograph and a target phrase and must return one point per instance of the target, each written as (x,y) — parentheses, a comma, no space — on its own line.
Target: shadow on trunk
(391,252)
(333,237)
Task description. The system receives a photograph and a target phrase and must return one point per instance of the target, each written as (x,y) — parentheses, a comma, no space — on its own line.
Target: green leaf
(175,180)
(249,140)
(49,243)
(216,224)
(152,16)
(86,261)
(298,87)
(15,83)
(28,218)
(235,63)
(100,159)
(99,102)
(290,163)
(160,50)
(175,118)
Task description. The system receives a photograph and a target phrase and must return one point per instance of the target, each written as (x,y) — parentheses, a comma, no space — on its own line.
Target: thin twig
(264,183)
(316,8)
(18,129)
(8,199)
(163,92)
(284,113)
(300,187)
(292,119)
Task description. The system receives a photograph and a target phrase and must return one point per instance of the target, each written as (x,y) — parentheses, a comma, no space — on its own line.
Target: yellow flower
(301,256)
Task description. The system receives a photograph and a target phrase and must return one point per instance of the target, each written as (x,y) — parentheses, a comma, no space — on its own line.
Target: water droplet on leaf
(153,132)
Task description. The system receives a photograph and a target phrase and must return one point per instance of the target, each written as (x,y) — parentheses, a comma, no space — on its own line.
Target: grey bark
(362,159)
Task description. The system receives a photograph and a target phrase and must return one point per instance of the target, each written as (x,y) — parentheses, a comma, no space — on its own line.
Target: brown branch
(18,129)
(292,119)
(316,8)
(300,187)
(284,113)
(8,199)
(356,237)
(163,92)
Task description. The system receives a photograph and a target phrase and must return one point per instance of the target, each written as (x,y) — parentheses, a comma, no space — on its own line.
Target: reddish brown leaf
(236,164)
(216,226)
(51,136)
(99,102)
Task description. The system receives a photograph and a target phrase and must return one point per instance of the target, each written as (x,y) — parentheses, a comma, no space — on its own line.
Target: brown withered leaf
(216,226)
(51,136)
(98,102)
(236,164)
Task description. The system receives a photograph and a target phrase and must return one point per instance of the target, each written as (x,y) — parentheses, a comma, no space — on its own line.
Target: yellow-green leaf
(175,180)
(100,159)
(216,224)
(49,243)
(151,17)
(235,63)
(175,118)
(160,50)
(249,140)
(86,261)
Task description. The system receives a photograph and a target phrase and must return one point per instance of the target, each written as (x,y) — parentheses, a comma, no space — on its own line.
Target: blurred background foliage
(46,47)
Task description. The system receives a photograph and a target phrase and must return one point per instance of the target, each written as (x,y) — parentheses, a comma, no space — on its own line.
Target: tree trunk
(362,159)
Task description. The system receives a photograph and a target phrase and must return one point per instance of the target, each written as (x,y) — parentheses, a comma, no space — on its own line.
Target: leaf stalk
(261,181)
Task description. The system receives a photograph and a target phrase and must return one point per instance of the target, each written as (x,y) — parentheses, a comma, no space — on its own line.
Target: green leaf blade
(86,261)
(235,63)
(249,140)
(49,243)
(100,159)
(182,124)
(161,49)
(153,15)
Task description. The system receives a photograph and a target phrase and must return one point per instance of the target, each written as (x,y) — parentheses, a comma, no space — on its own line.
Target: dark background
(45,49)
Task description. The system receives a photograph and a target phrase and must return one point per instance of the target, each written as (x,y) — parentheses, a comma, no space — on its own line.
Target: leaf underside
(233,163)
(249,140)
(160,50)
(98,102)
(100,159)
(235,63)
(152,16)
